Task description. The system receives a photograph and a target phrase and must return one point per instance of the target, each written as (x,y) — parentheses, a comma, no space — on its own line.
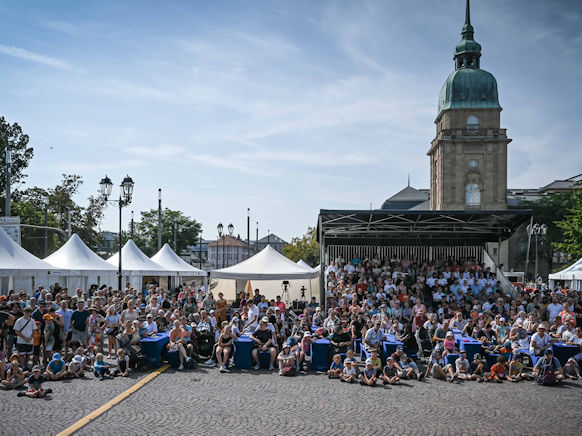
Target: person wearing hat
(478,369)
(264,341)
(35,381)
(15,377)
(449,344)
(150,326)
(76,367)
(287,360)
(540,340)
(95,326)
(368,375)
(348,374)
(56,368)
(547,370)
(571,369)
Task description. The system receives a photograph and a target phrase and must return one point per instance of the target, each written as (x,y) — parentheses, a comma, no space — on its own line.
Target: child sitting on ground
(349,373)
(571,369)
(56,368)
(498,370)
(35,381)
(100,367)
(76,368)
(390,373)
(368,375)
(350,355)
(336,368)
(477,369)
(376,362)
(15,376)
(462,366)
(122,368)
(516,369)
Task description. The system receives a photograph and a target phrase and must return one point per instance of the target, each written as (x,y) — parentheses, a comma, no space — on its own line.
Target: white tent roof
(268,264)
(78,258)
(304,264)
(167,258)
(573,272)
(134,262)
(16,261)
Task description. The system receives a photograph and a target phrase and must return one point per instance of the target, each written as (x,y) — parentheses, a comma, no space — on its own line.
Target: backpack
(547,375)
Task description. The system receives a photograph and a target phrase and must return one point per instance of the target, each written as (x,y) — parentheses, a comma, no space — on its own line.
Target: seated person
(224,347)
(449,344)
(178,343)
(498,370)
(376,361)
(368,375)
(374,336)
(122,364)
(516,369)
(287,359)
(408,368)
(463,367)
(438,368)
(100,367)
(340,341)
(76,367)
(390,372)
(478,369)
(35,381)
(336,368)
(150,326)
(15,376)
(263,338)
(348,375)
(540,340)
(571,369)
(56,368)
(548,370)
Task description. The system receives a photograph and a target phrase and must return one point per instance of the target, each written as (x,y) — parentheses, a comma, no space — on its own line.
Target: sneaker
(222,368)
(330,377)
(181,367)
(271,368)
(421,376)
(225,369)
(100,377)
(21,394)
(280,372)
(257,366)
(302,371)
(342,380)
(209,362)
(480,380)
(213,364)
(48,391)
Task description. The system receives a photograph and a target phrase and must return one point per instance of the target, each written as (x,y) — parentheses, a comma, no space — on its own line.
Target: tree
(33,239)
(11,134)
(305,247)
(571,227)
(146,231)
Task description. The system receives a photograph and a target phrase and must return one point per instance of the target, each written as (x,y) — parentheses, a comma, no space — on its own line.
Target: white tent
(304,264)
(20,269)
(167,258)
(572,274)
(268,264)
(135,265)
(86,268)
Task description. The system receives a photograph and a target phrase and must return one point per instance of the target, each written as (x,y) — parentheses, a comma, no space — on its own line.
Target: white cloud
(21,53)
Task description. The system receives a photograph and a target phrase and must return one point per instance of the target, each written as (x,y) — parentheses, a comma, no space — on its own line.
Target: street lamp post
(536,230)
(131,229)
(46,204)
(175,235)
(219,227)
(230,230)
(105,187)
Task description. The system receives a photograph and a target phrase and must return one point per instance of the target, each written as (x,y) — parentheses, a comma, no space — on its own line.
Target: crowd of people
(50,335)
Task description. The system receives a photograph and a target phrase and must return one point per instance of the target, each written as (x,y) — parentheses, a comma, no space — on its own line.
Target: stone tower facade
(468,156)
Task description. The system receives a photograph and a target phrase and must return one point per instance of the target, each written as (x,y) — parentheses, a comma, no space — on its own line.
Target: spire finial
(409,180)
(468,13)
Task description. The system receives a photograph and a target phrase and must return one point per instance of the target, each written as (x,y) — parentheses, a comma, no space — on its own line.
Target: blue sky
(285,107)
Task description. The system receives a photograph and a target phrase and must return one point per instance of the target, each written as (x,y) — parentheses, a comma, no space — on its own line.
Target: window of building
(472,123)
(473,164)
(473,195)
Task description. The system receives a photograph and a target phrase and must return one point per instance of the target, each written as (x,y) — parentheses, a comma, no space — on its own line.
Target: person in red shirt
(280,304)
(498,370)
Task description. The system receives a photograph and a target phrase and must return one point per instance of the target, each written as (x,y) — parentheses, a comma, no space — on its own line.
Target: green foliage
(33,239)
(571,227)
(21,155)
(305,247)
(146,231)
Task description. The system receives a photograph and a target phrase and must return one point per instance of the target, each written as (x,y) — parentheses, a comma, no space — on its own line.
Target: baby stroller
(136,358)
(424,342)
(204,340)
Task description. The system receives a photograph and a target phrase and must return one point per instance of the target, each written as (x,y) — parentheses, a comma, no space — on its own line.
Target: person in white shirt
(430,282)
(350,268)
(554,308)
(253,317)
(540,341)
(24,328)
(150,325)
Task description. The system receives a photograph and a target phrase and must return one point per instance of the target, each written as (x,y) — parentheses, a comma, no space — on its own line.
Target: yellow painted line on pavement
(101,410)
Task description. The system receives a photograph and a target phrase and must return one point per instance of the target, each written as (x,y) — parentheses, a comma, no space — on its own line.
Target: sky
(283,107)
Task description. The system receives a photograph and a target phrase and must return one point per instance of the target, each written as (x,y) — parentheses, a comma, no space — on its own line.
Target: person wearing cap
(56,368)
(263,338)
(150,327)
(368,375)
(76,367)
(548,370)
(287,360)
(540,340)
(35,381)
(390,372)
(449,344)
(571,369)
(24,327)
(317,319)
(348,374)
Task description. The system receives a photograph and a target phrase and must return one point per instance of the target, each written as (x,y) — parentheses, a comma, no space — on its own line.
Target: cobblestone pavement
(260,402)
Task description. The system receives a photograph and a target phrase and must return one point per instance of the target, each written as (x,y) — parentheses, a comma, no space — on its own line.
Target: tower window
(472,123)
(473,195)
(473,164)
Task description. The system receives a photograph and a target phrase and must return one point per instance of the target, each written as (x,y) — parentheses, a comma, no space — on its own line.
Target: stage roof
(412,227)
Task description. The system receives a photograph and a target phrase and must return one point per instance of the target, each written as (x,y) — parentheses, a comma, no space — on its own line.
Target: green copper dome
(468,87)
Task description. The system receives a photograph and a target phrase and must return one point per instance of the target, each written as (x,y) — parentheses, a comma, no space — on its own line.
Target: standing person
(220,309)
(79,324)
(49,337)
(112,326)
(24,328)
(95,325)
(66,314)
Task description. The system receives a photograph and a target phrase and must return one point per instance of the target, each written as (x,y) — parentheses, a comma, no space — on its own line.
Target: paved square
(260,402)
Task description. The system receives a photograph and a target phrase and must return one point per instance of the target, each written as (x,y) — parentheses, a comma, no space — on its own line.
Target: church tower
(468,156)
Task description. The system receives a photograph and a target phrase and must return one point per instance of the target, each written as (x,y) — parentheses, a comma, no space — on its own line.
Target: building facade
(468,156)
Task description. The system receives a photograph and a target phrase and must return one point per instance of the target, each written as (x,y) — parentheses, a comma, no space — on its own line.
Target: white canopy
(16,261)
(135,263)
(268,264)
(79,258)
(573,272)
(168,259)
(304,264)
